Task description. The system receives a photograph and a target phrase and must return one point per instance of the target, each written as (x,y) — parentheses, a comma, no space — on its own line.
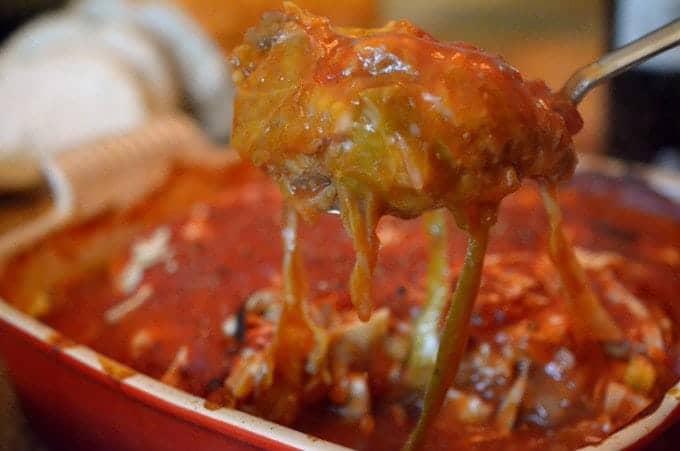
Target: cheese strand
(454,336)
(360,215)
(590,319)
(425,341)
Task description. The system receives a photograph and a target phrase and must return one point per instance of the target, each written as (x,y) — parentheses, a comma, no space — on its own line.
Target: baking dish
(71,391)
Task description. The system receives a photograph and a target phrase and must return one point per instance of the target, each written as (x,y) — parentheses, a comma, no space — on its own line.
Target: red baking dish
(70,391)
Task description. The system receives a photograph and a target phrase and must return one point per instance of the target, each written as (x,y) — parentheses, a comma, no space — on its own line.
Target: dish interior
(184,288)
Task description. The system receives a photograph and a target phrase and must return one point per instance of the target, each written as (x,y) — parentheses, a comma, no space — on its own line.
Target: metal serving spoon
(620,60)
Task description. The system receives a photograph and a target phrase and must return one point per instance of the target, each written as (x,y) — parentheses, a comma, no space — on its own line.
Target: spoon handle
(587,77)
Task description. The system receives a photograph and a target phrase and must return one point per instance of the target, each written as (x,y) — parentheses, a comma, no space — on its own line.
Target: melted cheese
(360,213)
(119,311)
(144,255)
(589,318)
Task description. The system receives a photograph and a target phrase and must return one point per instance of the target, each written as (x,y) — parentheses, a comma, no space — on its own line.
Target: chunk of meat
(391,121)
(420,123)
